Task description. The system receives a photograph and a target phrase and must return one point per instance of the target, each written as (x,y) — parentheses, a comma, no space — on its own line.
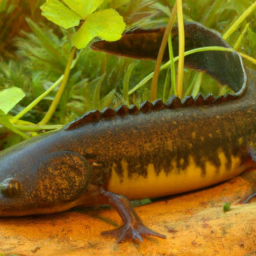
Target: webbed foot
(133,226)
(133,231)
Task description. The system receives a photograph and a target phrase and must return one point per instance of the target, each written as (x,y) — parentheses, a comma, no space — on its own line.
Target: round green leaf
(83,36)
(83,8)
(106,24)
(9,98)
(59,14)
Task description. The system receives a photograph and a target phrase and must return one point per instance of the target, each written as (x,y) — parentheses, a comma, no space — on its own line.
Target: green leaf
(59,14)
(106,24)
(108,99)
(4,120)
(9,98)
(96,95)
(126,82)
(3,4)
(81,8)
(48,44)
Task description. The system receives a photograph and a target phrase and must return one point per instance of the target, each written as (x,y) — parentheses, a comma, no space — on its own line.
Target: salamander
(159,149)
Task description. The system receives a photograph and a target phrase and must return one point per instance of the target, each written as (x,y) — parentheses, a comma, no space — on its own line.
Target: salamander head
(11,197)
(12,181)
(17,183)
(41,184)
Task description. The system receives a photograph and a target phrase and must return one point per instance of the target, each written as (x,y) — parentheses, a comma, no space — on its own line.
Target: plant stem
(35,128)
(247,57)
(56,100)
(181,48)
(198,81)
(238,42)
(166,87)
(161,53)
(126,82)
(173,78)
(9,126)
(191,85)
(247,12)
(35,102)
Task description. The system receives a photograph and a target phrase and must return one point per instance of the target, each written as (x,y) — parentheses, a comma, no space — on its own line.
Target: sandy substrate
(194,224)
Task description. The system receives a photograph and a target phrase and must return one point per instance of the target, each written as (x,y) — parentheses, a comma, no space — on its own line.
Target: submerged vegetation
(50,76)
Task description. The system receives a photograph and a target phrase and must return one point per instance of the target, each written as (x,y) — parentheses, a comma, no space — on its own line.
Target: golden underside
(176,181)
(151,186)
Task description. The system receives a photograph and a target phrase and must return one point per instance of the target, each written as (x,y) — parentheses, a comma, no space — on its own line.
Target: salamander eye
(10,187)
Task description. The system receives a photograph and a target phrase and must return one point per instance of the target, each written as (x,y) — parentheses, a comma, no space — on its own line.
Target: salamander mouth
(19,206)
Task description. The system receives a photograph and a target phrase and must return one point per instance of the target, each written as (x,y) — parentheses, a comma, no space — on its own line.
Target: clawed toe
(127,231)
(133,227)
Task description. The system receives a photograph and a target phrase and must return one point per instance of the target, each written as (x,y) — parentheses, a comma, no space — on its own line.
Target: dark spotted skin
(140,138)
(74,166)
(143,138)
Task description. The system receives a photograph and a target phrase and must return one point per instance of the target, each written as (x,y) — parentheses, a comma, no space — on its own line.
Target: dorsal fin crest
(219,99)
(173,102)
(108,112)
(230,96)
(209,99)
(133,109)
(88,117)
(158,105)
(146,107)
(199,100)
(122,110)
(188,101)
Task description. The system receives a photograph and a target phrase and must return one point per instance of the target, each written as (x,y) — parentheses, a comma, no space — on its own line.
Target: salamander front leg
(133,226)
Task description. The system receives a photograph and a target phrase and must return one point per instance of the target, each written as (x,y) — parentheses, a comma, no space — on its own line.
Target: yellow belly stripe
(176,181)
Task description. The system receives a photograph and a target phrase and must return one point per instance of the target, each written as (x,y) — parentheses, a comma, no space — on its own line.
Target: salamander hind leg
(133,226)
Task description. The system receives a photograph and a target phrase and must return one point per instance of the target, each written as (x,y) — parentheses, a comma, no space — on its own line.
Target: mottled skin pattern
(74,166)
(49,181)
(156,137)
